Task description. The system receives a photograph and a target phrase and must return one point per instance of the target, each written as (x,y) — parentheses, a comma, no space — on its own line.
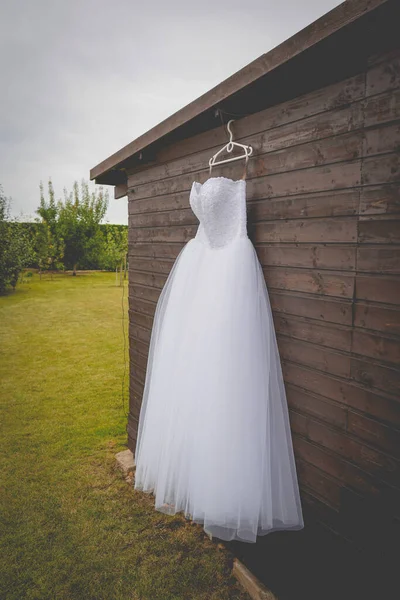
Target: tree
(49,245)
(48,256)
(79,222)
(15,249)
(116,248)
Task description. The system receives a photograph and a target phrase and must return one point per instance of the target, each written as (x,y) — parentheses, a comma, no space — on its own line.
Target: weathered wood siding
(324,216)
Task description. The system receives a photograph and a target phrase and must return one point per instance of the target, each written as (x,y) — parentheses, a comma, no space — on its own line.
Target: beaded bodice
(220,205)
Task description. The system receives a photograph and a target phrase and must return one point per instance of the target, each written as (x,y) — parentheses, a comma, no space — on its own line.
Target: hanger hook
(230,145)
(229,129)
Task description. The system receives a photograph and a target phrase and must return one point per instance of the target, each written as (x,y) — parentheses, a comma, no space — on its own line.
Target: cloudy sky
(82,78)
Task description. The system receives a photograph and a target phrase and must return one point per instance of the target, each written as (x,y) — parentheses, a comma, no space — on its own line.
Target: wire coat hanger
(248,150)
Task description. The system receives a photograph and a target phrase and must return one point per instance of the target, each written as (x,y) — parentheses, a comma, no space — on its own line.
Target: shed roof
(281,73)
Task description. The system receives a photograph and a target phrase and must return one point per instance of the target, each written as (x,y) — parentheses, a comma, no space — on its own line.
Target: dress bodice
(220,205)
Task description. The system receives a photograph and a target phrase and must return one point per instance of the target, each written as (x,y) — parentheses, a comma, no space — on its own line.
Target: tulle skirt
(214,437)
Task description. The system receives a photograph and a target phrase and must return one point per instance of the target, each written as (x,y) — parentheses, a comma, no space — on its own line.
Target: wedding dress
(214,437)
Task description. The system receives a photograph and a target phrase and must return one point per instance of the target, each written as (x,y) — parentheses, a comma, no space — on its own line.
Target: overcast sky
(82,78)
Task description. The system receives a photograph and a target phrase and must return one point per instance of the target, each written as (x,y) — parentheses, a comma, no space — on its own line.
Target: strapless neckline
(219,177)
(220,206)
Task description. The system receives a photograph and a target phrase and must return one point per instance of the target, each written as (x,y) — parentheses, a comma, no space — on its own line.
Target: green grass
(70,526)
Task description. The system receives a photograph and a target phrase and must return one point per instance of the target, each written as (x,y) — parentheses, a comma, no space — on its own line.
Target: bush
(15,248)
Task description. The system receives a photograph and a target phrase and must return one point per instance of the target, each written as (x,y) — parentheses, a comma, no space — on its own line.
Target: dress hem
(169,509)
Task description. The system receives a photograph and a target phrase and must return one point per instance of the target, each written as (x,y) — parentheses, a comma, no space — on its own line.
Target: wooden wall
(324,216)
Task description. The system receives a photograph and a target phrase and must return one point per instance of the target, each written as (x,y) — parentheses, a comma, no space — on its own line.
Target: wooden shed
(322,112)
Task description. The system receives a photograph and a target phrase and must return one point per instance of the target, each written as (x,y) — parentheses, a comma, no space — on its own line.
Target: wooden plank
(253,586)
(139,332)
(138,318)
(315,179)
(315,231)
(120,191)
(374,433)
(308,403)
(344,391)
(172,186)
(160,250)
(316,479)
(161,266)
(317,256)
(378,317)
(132,426)
(377,259)
(137,359)
(137,378)
(384,76)
(136,368)
(134,408)
(140,347)
(298,422)
(135,395)
(325,309)
(377,288)
(379,230)
(381,169)
(162,218)
(138,373)
(326,283)
(382,466)
(333,336)
(381,139)
(384,199)
(162,234)
(154,280)
(319,139)
(136,381)
(153,204)
(376,346)
(142,306)
(378,376)
(136,386)
(314,356)
(334,466)
(382,108)
(331,203)
(144,293)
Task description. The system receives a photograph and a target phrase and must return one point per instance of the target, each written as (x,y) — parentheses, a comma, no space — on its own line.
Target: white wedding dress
(214,437)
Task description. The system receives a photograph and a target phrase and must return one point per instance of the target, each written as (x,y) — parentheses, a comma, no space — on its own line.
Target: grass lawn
(70,526)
